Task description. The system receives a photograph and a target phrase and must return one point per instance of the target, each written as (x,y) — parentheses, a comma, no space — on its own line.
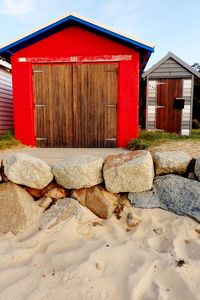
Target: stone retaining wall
(29,185)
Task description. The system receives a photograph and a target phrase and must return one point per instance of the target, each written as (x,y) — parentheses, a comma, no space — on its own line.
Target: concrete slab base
(53,155)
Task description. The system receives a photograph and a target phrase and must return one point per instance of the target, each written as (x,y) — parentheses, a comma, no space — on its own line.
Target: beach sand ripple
(82,257)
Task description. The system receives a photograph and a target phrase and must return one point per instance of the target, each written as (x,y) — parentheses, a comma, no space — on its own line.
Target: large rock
(18,210)
(80,195)
(45,202)
(79,172)
(27,170)
(192,176)
(65,210)
(173,193)
(129,172)
(52,190)
(57,193)
(101,202)
(62,210)
(167,162)
(197,168)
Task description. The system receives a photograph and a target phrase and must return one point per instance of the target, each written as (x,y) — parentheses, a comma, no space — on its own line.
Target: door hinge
(111,139)
(41,139)
(111,71)
(38,71)
(39,105)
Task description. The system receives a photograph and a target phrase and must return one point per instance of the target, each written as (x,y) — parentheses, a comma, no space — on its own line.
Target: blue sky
(172,25)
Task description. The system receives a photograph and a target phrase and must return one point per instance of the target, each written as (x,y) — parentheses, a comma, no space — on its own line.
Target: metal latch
(160,106)
(110,105)
(159,83)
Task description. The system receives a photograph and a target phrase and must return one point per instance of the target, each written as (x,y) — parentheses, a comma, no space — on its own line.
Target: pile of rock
(176,187)
(29,185)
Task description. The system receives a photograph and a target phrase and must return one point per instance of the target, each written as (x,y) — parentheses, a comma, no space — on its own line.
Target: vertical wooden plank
(191,107)
(168,118)
(53,121)
(162,95)
(92,109)
(94,87)
(61,105)
(175,114)
(76,106)
(41,80)
(111,105)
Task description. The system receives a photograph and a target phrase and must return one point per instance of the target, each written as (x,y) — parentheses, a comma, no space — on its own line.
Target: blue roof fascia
(38,35)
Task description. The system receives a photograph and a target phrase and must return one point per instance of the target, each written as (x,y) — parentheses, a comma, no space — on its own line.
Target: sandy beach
(79,256)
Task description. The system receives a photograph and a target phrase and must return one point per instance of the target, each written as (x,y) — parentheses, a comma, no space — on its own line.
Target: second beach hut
(168,95)
(6,98)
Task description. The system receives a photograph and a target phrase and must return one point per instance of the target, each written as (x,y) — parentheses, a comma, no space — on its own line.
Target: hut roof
(73,19)
(177,59)
(5,64)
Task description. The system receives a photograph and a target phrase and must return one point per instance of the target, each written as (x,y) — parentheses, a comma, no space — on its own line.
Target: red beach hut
(76,84)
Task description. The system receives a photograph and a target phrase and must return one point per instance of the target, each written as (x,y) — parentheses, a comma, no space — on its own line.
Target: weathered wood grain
(80,105)
(168,118)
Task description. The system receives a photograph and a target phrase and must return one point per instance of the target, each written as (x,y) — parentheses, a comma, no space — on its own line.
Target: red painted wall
(128,93)
(75,41)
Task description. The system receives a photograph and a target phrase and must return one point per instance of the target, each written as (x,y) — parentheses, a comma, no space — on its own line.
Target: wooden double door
(168,117)
(75,105)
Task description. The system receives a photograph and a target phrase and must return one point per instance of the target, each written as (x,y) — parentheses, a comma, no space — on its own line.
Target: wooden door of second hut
(168,117)
(75,105)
